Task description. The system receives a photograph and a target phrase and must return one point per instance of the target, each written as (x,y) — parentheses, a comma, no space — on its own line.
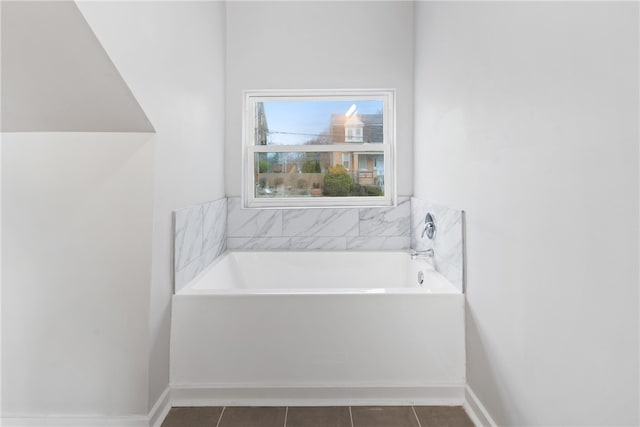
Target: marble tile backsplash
(319,229)
(252,222)
(448,242)
(188,236)
(200,236)
(203,232)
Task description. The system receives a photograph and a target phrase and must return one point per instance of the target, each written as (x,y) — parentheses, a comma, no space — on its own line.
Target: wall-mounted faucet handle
(429,230)
(429,226)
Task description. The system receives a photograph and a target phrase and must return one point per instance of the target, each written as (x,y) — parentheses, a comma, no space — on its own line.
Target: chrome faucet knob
(429,226)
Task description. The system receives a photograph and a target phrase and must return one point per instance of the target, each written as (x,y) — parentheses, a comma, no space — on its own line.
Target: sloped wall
(76,219)
(57,77)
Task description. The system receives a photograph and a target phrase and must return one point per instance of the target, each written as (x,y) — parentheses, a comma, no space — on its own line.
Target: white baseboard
(160,410)
(154,419)
(215,395)
(476,410)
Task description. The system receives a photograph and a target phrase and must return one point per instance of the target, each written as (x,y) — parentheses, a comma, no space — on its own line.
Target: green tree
(263,166)
(337,182)
(311,166)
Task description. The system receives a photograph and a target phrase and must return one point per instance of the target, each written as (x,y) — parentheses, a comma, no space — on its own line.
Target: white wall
(171,54)
(527,118)
(76,229)
(57,77)
(319,45)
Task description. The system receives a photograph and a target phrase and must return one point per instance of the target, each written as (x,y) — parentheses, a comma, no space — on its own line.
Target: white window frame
(387,148)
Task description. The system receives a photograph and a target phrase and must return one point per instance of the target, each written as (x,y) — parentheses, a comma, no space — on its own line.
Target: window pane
(319,122)
(346,160)
(318,174)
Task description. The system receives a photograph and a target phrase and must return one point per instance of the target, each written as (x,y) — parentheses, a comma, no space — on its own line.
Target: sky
(302,120)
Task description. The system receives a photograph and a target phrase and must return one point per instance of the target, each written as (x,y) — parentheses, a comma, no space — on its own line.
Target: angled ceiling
(57,77)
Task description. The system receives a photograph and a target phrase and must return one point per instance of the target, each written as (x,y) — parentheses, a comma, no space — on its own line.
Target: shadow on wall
(487,376)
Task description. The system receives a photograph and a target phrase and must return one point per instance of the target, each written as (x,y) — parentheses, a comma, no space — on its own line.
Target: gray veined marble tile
(252,222)
(215,225)
(258,243)
(393,221)
(320,222)
(450,266)
(319,243)
(187,236)
(211,255)
(188,273)
(447,244)
(448,249)
(379,243)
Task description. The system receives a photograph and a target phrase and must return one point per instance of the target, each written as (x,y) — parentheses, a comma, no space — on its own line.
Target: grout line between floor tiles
(286,414)
(351,417)
(220,417)
(416,415)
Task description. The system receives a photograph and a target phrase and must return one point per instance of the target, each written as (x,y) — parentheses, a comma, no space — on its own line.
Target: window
(319,148)
(353,128)
(346,160)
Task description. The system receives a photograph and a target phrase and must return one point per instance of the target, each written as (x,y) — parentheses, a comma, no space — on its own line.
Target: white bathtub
(317,328)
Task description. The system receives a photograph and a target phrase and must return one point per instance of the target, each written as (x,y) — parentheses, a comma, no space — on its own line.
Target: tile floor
(335,416)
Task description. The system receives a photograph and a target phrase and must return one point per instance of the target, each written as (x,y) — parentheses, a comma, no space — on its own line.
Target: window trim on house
(346,161)
(386,148)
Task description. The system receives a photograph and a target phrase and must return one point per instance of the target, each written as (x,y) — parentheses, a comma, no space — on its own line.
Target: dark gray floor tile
(192,417)
(243,416)
(443,416)
(326,416)
(383,416)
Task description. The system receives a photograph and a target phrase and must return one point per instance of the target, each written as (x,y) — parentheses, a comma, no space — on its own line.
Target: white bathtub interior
(319,272)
